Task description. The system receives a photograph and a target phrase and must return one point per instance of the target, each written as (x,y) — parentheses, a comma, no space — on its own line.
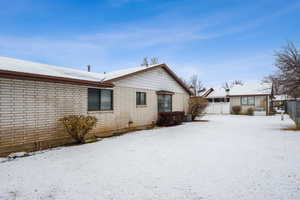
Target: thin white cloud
(145,37)
(149,36)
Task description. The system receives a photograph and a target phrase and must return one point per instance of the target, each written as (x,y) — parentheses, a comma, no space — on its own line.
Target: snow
(17,154)
(282,98)
(118,73)
(250,89)
(18,65)
(218,93)
(229,157)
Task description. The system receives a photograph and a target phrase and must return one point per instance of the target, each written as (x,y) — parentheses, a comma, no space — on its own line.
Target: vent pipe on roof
(89,68)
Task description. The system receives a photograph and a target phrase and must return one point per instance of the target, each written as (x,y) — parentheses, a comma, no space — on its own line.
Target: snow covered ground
(229,157)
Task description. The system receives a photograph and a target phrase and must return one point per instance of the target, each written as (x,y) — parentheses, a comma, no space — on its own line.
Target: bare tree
(237,82)
(196,84)
(154,61)
(227,86)
(145,62)
(275,86)
(288,66)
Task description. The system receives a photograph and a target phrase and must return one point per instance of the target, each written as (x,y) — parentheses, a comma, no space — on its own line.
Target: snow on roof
(18,65)
(122,72)
(217,92)
(282,97)
(245,89)
(251,89)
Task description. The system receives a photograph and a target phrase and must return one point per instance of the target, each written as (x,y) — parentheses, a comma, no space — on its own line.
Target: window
(164,103)
(141,98)
(100,99)
(106,100)
(248,100)
(251,100)
(244,100)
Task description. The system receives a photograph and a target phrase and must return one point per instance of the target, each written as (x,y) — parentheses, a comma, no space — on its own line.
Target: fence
(293,109)
(218,108)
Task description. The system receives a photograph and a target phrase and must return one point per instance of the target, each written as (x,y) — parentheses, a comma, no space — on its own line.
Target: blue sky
(219,40)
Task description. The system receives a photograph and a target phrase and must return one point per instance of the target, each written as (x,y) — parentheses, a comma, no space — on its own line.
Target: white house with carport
(248,95)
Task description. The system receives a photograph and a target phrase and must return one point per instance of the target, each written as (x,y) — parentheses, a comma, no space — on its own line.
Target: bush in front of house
(250,111)
(236,110)
(77,126)
(170,118)
(197,106)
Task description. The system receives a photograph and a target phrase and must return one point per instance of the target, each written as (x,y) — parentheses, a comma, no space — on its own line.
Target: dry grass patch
(200,120)
(291,128)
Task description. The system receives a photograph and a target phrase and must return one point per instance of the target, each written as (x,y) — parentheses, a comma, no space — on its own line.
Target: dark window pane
(106,100)
(93,99)
(138,96)
(160,102)
(251,100)
(164,103)
(168,103)
(244,100)
(141,98)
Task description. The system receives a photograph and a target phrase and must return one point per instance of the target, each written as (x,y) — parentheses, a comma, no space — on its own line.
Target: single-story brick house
(34,96)
(249,95)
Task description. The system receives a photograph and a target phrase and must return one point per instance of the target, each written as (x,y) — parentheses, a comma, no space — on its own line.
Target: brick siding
(29,110)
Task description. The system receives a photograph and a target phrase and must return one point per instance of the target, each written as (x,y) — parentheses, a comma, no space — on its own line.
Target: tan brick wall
(260,103)
(29,110)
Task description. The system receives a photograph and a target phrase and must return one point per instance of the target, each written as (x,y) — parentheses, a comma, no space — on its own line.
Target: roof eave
(238,95)
(53,79)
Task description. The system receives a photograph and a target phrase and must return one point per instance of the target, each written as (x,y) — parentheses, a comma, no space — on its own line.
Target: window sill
(100,111)
(141,106)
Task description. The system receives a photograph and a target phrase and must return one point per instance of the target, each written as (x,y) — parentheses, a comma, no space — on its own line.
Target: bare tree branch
(196,84)
(288,66)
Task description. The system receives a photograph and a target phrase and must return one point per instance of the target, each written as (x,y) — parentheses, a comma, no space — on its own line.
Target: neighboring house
(34,96)
(256,96)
